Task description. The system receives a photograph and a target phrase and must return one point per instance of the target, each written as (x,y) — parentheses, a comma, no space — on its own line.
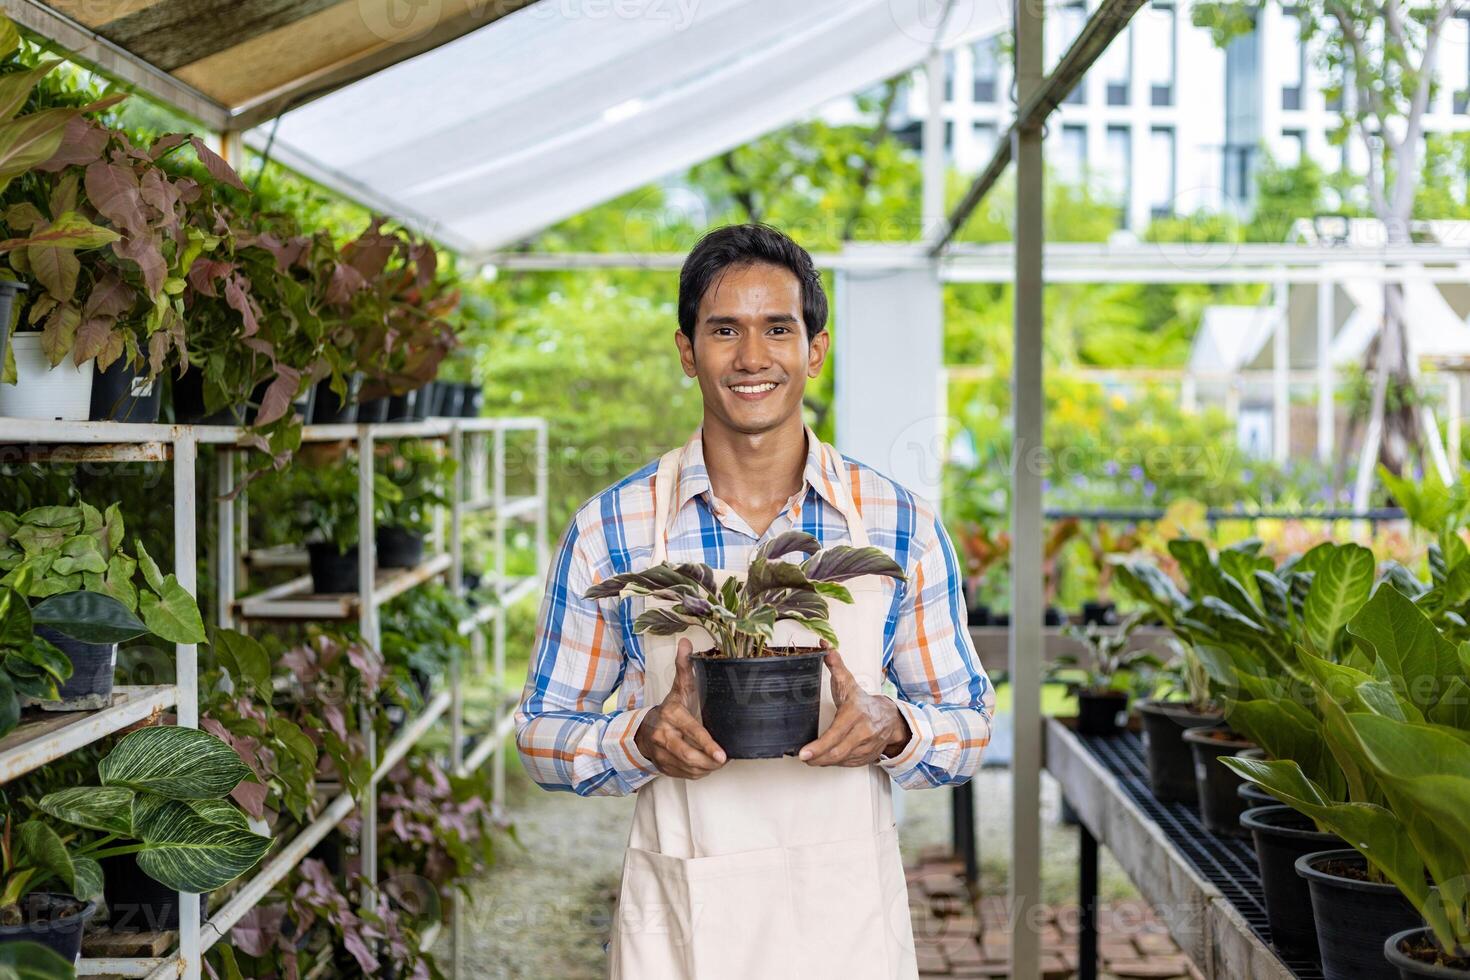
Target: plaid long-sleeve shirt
(586,649)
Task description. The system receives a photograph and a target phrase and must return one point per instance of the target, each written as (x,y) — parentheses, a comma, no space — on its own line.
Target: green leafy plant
(742,618)
(420,473)
(32,961)
(33,856)
(325,498)
(164,788)
(1105,662)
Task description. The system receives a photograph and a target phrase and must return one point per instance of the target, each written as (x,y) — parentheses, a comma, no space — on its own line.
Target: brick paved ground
(956,937)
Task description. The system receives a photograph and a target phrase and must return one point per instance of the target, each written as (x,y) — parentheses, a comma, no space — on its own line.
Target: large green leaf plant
(163,798)
(741,618)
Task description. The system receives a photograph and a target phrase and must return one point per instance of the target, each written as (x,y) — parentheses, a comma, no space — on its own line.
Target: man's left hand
(865,727)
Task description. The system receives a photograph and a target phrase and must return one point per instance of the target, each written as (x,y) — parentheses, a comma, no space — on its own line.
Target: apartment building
(1167,122)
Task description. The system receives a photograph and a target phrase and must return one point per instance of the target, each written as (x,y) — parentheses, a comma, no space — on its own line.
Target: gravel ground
(542,912)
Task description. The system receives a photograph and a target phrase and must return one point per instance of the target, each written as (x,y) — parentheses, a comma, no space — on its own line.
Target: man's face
(750,350)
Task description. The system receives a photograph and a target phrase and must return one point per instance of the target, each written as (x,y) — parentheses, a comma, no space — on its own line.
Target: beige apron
(767,868)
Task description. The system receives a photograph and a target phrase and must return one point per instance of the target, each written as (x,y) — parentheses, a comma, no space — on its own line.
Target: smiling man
(774,867)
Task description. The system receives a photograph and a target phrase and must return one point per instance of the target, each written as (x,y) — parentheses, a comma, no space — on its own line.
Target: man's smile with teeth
(754,389)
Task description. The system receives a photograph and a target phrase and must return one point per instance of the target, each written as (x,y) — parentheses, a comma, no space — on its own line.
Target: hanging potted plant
(743,668)
(1109,672)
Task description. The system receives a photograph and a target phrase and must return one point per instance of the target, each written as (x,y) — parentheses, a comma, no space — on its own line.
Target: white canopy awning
(563,105)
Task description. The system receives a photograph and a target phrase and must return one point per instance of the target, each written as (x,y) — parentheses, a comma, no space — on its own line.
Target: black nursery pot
(1254,796)
(1396,950)
(373,410)
(1354,917)
(1099,613)
(399,548)
(1170,761)
(137,903)
(1101,712)
(325,407)
(55,921)
(760,707)
(1220,806)
(401,407)
(424,404)
(1282,835)
(188,402)
(447,399)
(1053,616)
(92,667)
(332,572)
(118,395)
(472,399)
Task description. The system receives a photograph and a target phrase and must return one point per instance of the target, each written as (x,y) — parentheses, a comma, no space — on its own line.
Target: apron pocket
(855,924)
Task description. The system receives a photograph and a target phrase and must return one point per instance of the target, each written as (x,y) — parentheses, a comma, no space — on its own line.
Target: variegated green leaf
(1340,587)
(177,763)
(837,564)
(190,853)
(105,808)
(663,621)
(151,574)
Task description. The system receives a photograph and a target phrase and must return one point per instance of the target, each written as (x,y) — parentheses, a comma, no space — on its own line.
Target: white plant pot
(43,391)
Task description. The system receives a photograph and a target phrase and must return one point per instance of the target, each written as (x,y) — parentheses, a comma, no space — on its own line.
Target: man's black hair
(742,245)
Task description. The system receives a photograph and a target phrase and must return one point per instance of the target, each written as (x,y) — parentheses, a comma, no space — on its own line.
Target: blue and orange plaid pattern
(586,650)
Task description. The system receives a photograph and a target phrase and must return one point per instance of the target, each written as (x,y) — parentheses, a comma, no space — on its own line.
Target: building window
(1162,178)
(1117,68)
(987,70)
(1294,147)
(985,135)
(1072,158)
(1073,19)
(1157,35)
(1294,60)
(1120,167)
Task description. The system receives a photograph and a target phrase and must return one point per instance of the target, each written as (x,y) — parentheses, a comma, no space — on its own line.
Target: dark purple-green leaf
(88,616)
(787,542)
(844,562)
(662,578)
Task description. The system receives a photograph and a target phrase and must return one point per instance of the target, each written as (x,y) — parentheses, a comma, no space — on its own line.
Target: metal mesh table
(1206,888)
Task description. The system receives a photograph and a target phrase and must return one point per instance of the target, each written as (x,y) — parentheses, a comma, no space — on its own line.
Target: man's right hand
(670,736)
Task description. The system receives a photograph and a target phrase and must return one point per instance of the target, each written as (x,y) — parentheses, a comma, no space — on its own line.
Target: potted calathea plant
(1104,674)
(758,700)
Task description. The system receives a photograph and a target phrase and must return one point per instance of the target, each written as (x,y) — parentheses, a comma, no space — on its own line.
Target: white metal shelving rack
(479,446)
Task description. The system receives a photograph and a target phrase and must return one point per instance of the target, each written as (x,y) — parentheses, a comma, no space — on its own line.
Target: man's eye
(780,330)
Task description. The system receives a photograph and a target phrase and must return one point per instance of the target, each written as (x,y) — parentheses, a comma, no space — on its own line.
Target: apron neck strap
(667,479)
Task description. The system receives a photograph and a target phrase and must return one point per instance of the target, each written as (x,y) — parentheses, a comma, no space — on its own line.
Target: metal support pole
(456,669)
(932,215)
(497,764)
(226,561)
(367,621)
(186,662)
(543,477)
(1326,410)
(962,830)
(1026,501)
(1086,904)
(1280,386)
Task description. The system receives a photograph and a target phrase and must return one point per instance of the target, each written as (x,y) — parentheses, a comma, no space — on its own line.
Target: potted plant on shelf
(34,857)
(1334,767)
(326,499)
(419,473)
(1110,674)
(71,559)
(743,666)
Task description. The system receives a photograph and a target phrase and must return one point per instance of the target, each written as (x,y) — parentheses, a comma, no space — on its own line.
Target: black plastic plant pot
(188,402)
(399,547)
(332,572)
(137,903)
(55,921)
(401,407)
(447,398)
(1354,916)
(472,399)
(1099,613)
(423,405)
(978,614)
(1254,796)
(1052,616)
(1415,954)
(373,410)
(123,394)
(1101,712)
(1170,761)
(760,707)
(326,407)
(1220,806)
(92,667)
(1282,835)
